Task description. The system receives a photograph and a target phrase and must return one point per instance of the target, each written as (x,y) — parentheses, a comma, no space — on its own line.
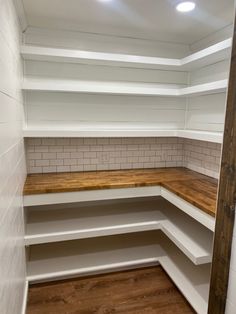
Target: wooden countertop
(193,187)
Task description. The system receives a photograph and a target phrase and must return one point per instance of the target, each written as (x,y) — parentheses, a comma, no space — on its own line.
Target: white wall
(231,302)
(12,164)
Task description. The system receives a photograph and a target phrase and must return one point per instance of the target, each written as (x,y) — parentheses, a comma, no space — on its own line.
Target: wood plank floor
(140,291)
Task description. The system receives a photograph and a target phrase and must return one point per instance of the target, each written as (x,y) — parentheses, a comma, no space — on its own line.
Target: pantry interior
(111,129)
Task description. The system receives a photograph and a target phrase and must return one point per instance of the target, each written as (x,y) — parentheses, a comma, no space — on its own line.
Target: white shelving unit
(210,55)
(122,88)
(106,87)
(53,225)
(93,256)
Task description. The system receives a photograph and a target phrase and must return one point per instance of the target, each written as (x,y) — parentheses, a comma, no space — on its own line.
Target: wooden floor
(140,291)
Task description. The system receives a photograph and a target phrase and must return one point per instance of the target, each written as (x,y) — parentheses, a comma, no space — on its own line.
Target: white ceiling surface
(148,19)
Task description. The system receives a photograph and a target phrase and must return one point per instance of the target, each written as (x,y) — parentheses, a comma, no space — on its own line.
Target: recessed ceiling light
(185,6)
(104,0)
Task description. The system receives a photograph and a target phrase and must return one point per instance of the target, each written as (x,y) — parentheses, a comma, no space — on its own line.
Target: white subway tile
(63,169)
(70,162)
(41,163)
(41,149)
(49,155)
(77,168)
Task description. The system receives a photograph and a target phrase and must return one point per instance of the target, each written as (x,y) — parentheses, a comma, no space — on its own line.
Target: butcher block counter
(195,188)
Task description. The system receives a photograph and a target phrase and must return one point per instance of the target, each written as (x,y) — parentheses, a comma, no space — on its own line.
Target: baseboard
(25,297)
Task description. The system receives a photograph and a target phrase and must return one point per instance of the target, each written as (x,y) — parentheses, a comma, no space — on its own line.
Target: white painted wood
(215,137)
(207,113)
(12,164)
(230,307)
(93,132)
(100,73)
(118,88)
(52,225)
(232,287)
(101,42)
(213,72)
(189,209)
(92,195)
(90,57)
(210,55)
(192,281)
(21,14)
(25,297)
(110,253)
(96,195)
(213,54)
(205,89)
(64,111)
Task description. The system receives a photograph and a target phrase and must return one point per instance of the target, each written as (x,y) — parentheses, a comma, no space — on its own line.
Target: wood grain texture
(193,187)
(226,201)
(199,192)
(143,291)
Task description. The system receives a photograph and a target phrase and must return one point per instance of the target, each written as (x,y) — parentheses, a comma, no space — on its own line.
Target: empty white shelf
(52,225)
(215,137)
(122,88)
(93,256)
(210,55)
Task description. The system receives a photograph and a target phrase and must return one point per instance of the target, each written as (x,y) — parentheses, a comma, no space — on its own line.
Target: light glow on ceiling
(185,6)
(104,0)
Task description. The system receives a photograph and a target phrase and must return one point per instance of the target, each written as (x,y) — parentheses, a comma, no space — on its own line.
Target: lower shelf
(96,219)
(93,256)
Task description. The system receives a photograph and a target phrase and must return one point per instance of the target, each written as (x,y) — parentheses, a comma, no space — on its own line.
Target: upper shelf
(123,88)
(210,55)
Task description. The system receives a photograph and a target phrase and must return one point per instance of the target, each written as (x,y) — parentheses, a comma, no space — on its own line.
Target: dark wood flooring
(140,291)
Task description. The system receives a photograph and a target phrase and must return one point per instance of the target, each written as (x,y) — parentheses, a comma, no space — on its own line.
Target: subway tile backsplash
(91,154)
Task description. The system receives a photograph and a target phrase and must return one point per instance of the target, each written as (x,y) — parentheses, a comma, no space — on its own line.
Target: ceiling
(148,19)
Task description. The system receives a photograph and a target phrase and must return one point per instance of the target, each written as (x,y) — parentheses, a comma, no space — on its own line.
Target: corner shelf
(210,55)
(122,88)
(214,137)
(53,225)
(93,256)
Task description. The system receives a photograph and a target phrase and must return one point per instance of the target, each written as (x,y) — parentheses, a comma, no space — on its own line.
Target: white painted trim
(210,55)
(191,210)
(21,14)
(122,88)
(93,270)
(25,297)
(91,195)
(214,137)
(93,132)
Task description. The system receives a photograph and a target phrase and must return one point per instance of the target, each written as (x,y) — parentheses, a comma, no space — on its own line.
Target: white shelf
(93,256)
(210,55)
(53,225)
(122,88)
(215,137)
(121,194)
